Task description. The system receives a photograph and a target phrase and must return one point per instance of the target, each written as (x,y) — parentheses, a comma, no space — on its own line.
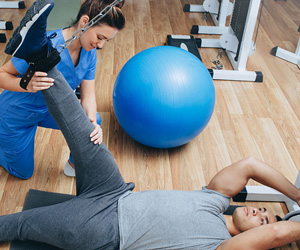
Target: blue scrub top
(85,70)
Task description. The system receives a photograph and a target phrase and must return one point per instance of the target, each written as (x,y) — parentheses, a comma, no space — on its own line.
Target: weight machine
(12,5)
(218,10)
(286,55)
(8,24)
(3,38)
(236,42)
(5,26)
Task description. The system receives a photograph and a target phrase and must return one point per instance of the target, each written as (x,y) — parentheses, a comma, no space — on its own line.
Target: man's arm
(232,179)
(264,237)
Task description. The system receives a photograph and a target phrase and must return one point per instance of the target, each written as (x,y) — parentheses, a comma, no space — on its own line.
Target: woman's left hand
(96,135)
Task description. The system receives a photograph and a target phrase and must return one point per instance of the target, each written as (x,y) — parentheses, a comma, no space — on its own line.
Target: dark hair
(115,18)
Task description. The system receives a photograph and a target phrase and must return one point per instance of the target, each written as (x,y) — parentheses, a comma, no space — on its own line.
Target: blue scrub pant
(17,134)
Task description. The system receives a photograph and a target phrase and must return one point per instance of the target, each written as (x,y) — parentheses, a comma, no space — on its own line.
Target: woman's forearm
(9,79)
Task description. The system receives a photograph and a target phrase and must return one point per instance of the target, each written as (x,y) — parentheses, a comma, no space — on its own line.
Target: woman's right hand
(39,81)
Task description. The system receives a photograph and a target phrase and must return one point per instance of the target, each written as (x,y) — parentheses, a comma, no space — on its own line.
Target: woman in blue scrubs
(22,111)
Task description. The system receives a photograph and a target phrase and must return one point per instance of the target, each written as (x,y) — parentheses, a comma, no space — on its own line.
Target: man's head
(245,218)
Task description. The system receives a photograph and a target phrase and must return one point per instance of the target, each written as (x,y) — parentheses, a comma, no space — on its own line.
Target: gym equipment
(286,55)
(267,194)
(163,97)
(218,10)
(237,43)
(188,43)
(8,25)
(12,4)
(3,38)
(5,26)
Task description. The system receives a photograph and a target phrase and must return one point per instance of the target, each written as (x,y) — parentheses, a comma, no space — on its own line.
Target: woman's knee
(24,173)
(18,164)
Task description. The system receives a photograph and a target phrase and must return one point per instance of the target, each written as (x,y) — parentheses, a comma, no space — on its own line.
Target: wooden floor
(250,119)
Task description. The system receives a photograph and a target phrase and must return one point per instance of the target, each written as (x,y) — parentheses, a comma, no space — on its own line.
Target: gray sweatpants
(90,220)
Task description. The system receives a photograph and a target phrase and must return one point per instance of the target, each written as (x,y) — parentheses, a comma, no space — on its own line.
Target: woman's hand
(39,81)
(96,135)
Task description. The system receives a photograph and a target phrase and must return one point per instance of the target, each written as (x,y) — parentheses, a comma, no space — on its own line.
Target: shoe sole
(68,170)
(18,37)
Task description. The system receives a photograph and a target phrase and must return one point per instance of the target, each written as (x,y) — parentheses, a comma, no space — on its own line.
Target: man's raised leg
(94,164)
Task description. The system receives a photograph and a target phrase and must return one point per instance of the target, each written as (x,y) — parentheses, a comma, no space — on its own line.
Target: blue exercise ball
(163,97)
